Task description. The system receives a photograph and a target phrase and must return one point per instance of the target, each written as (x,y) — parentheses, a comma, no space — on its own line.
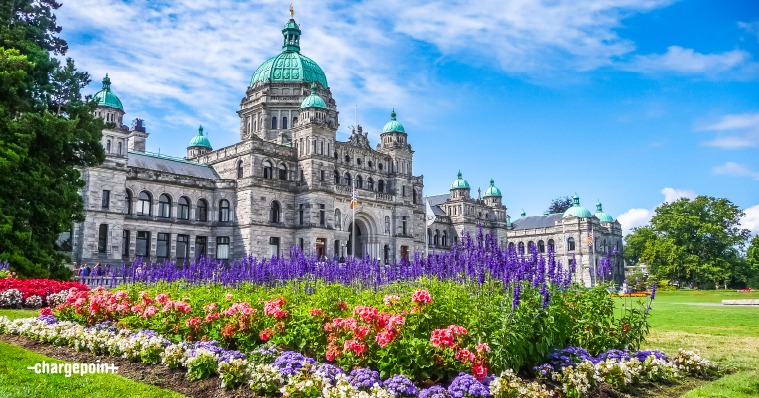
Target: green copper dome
(576,210)
(603,217)
(106,97)
(313,100)
(460,183)
(523,214)
(393,126)
(290,65)
(200,139)
(492,190)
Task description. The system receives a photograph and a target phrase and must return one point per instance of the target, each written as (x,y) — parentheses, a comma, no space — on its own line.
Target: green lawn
(726,335)
(17,381)
(15,314)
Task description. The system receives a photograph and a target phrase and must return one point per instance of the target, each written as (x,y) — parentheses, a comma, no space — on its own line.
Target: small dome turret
(393,126)
(523,214)
(201,140)
(106,97)
(603,217)
(492,190)
(459,183)
(576,210)
(313,100)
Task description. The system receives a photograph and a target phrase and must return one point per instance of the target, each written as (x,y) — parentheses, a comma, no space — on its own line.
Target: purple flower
(466,386)
(291,362)
(49,319)
(400,386)
(329,371)
(653,292)
(435,392)
(364,377)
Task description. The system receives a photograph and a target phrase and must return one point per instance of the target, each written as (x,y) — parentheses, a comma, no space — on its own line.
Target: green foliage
(695,241)
(46,132)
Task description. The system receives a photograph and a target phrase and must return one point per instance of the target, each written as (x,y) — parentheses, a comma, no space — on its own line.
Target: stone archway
(366,234)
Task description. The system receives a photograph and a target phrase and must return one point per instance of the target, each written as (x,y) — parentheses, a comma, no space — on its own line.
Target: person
(83,270)
(97,270)
(89,270)
(335,258)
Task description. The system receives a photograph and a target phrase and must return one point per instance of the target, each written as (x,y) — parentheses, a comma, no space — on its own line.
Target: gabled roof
(438,199)
(170,165)
(536,221)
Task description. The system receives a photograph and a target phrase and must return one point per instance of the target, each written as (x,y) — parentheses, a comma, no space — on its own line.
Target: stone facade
(288,183)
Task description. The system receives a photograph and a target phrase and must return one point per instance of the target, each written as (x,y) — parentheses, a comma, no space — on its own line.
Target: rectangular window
(183,248)
(321,149)
(143,244)
(125,243)
(283,174)
(301,176)
(321,175)
(162,247)
(273,247)
(106,199)
(201,243)
(404,225)
(102,238)
(222,247)
(300,243)
(300,214)
(322,216)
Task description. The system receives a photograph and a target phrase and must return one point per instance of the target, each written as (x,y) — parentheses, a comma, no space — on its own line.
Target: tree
(46,132)
(635,244)
(695,240)
(560,205)
(752,254)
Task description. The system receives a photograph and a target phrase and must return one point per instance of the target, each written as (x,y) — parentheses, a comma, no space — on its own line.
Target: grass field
(726,335)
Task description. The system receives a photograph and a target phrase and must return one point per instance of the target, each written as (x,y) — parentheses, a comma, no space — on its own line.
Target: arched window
(268,171)
(274,212)
(119,148)
(358,161)
(379,166)
(223,210)
(370,184)
(437,237)
(347,178)
(347,159)
(338,220)
(183,210)
(521,247)
(511,246)
(108,146)
(429,236)
(551,245)
(164,206)
(283,172)
(531,245)
(337,178)
(274,122)
(359,182)
(381,186)
(387,225)
(201,213)
(571,244)
(240,169)
(127,202)
(284,123)
(370,164)
(541,246)
(445,238)
(295,120)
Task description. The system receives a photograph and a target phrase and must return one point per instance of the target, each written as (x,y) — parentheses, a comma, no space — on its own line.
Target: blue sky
(632,102)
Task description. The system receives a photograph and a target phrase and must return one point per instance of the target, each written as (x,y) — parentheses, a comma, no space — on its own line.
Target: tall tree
(695,240)
(46,132)
(560,205)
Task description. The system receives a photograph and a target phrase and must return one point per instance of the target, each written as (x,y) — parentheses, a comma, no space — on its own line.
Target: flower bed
(271,372)
(746,290)
(34,293)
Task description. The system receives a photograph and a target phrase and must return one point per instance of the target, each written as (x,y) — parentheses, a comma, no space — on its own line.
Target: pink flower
(121,308)
(356,346)
(385,338)
(266,334)
(210,307)
(422,297)
(483,346)
(315,312)
(228,297)
(142,293)
(136,308)
(441,338)
(362,331)
(212,317)
(248,311)
(367,314)
(391,299)
(193,321)
(162,298)
(46,311)
(464,355)
(120,295)
(479,371)
(457,330)
(150,311)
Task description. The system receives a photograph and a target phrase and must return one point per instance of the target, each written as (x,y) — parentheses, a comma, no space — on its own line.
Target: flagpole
(353,203)
(592,255)
(426,217)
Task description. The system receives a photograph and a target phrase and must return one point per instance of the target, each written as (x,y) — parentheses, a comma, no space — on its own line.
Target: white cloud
(752,27)
(751,219)
(685,60)
(733,131)
(639,217)
(735,170)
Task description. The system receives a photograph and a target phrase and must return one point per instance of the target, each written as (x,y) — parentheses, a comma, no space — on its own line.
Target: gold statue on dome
(292,13)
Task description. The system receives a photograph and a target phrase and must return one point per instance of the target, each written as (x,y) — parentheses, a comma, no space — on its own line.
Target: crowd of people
(86,270)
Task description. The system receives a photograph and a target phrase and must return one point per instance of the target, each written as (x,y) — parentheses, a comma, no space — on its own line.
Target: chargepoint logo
(69,369)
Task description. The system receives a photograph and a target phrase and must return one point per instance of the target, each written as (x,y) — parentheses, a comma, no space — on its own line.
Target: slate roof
(536,221)
(169,165)
(436,200)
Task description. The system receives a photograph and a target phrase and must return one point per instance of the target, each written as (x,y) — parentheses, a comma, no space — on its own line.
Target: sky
(630,102)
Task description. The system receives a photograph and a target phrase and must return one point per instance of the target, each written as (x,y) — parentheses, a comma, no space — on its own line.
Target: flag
(354,198)
(429,214)
(590,238)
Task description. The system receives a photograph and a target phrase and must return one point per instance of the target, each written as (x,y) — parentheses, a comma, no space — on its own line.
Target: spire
(200,130)
(459,174)
(492,183)
(106,82)
(392,114)
(291,34)
(576,199)
(523,213)
(598,206)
